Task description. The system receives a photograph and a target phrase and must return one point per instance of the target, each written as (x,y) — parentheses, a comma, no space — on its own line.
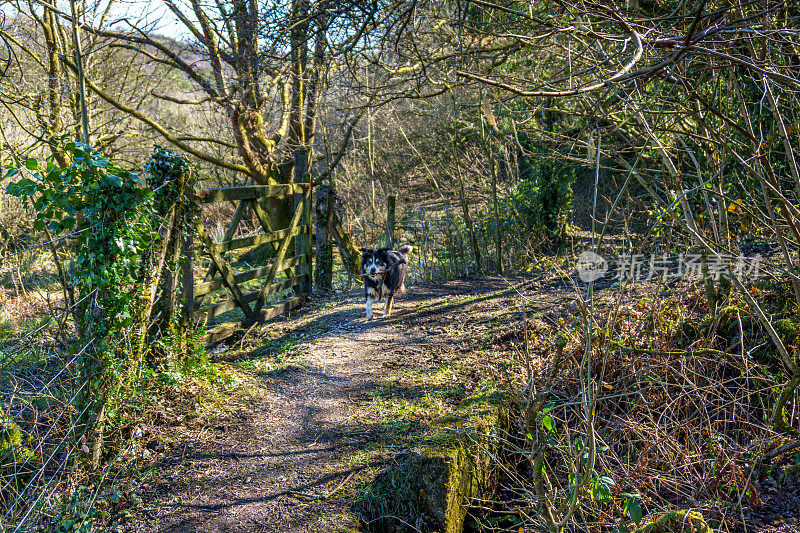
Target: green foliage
(108,216)
(632,508)
(547,421)
(540,204)
(166,171)
(169,175)
(102,205)
(16,459)
(599,487)
(788,329)
(84,509)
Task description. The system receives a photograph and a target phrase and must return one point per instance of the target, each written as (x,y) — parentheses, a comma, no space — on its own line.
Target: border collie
(384,271)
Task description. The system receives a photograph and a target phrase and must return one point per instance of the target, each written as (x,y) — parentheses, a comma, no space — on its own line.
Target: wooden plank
(292,230)
(263,219)
(252,192)
(277,310)
(278,287)
(230,305)
(211,286)
(215,310)
(227,277)
(241,209)
(255,240)
(224,331)
(230,232)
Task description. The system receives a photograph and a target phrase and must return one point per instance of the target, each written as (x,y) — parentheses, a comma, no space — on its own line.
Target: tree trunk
(391,202)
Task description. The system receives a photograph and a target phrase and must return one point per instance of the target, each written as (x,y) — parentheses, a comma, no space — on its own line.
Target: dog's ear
(367,251)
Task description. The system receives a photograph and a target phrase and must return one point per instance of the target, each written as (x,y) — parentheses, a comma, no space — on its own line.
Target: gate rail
(296,267)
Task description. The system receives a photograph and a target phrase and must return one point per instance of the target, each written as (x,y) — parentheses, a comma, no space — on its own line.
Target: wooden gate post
(187,266)
(171,179)
(302,242)
(323,269)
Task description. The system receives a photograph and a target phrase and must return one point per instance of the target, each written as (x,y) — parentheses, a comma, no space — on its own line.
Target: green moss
(10,434)
(788,329)
(673,319)
(677,522)
(16,460)
(429,487)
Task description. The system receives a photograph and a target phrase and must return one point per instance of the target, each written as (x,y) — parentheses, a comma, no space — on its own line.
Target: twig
(384,271)
(345,480)
(241,344)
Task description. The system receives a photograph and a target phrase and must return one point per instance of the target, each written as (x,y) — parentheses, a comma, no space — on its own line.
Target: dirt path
(345,397)
(328,400)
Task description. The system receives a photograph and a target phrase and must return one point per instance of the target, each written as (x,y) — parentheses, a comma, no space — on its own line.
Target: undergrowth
(169,406)
(682,418)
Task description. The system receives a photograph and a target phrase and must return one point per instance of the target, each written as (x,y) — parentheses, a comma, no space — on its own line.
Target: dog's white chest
(381,292)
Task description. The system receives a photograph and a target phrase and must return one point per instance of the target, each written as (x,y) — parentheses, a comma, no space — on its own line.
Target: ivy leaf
(111,180)
(23,187)
(80,147)
(547,422)
(635,511)
(31,163)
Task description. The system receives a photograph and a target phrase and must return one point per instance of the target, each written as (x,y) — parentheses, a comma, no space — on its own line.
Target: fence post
(323,269)
(172,284)
(391,202)
(187,270)
(302,242)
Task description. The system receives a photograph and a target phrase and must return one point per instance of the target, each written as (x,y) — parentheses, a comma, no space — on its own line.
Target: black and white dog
(384,271)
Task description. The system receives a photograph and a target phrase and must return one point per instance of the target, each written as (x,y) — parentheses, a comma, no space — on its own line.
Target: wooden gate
(295,266)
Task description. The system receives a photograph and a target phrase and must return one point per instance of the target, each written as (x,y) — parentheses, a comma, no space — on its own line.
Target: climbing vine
(170,175)
(106,213)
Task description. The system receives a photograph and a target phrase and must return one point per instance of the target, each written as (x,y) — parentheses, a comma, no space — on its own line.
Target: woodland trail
(291,453)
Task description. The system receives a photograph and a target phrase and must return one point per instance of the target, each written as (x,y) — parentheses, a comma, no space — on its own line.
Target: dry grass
(681,421)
